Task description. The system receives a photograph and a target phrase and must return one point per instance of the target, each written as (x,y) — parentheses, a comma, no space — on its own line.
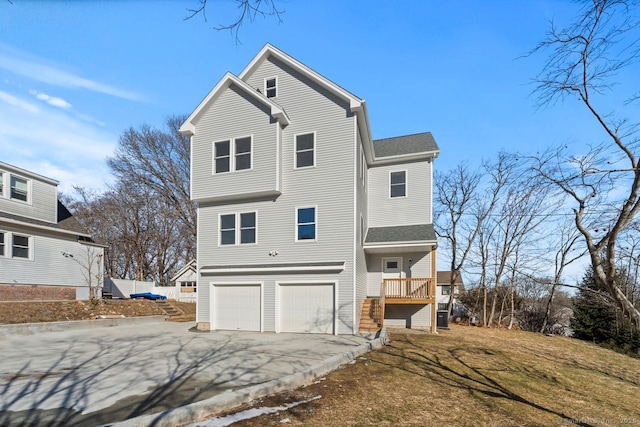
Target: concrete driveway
(102,375)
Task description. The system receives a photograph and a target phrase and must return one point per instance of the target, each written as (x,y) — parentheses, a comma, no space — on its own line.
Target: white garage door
(307,308)
(237,307)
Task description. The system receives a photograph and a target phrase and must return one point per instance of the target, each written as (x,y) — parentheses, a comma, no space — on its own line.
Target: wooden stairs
(172,312)
(370,316)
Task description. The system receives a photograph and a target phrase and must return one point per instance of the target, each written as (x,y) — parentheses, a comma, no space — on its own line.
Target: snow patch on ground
(248,414)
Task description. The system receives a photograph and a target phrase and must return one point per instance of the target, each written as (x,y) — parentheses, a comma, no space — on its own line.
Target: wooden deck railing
(419,288)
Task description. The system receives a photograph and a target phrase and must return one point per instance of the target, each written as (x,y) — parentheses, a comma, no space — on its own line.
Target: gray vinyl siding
(407,316)
(419,267)
(361,261)
(43,201)
(46,265)
(415,208)
(328,186)
(234,115)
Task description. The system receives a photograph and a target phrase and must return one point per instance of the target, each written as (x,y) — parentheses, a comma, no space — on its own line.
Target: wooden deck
(414,290)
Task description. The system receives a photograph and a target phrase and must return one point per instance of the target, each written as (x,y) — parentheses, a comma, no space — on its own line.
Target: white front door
(391,268)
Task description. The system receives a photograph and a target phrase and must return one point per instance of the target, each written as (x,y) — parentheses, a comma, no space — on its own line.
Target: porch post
(432,291)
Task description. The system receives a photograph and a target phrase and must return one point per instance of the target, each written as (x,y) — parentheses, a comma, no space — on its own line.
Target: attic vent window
(271,87)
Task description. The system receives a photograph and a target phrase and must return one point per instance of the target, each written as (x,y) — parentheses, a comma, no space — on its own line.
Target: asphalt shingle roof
(401,233)
(402,145)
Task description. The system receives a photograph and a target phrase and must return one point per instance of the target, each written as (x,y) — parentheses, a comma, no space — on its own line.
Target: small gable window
(271,87)
(305,150)
(398,184)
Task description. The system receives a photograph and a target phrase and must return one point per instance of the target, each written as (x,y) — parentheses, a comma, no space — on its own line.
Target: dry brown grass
(472,377)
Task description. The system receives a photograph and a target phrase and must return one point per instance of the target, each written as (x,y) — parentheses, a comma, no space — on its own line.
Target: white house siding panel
(43,201)
(47,265)
(233,115)
(414,264)
(306,308)
(415,208)
(407,316)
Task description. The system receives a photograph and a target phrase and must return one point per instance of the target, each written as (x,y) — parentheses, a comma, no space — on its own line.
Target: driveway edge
(209,407)
(37,328)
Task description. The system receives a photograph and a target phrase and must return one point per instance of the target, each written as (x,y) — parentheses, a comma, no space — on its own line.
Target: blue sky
(75,74)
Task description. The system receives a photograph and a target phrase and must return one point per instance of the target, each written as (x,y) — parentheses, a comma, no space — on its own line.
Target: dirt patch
(55,311)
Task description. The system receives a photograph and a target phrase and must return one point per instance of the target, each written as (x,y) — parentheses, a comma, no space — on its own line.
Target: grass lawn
(471,377)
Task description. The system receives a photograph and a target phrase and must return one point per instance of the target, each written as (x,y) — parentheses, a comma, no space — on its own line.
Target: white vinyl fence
(121,288)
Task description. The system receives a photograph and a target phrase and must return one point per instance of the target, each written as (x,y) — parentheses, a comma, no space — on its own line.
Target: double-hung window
(271,87)
(232,155)
(398,184)
(446,290)
(243,153)
(19,188)
(305,150)
(222,156)
(306,224)
(238,228)
(20,247)
(2,237)
(1,184)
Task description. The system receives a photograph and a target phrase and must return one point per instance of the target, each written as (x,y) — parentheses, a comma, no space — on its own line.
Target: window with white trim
(271,87)
(222,156)
(242,153)
(18,188)
(306,224)
(20,246)
(238,228)
(305,150)
(1,184)
(443,306)
(446,289)
(2,244)
(398,184)
(232,154)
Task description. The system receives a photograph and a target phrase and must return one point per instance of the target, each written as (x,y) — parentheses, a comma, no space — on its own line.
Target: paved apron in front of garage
(98,376)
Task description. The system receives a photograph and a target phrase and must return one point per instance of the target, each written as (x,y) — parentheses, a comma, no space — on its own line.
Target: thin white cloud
(51,100)
(27,65)
(54,142)
(17,102)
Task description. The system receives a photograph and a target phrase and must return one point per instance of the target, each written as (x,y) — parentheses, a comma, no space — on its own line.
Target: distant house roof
(191,265)
(66,222)
(444,278)
(405,145)
(401,233)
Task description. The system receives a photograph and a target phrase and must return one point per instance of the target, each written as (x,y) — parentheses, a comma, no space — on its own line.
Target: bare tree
(603,183)
(249,10)
(91,267)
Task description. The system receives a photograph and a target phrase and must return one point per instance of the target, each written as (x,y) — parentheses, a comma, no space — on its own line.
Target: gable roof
(445,277)
(188,127)
(191,265)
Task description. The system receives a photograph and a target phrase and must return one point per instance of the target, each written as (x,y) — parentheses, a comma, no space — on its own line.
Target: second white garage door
(307,308)
(237,307)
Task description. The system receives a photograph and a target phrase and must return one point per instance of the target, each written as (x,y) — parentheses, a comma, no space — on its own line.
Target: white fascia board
(241,196)
(271,269)
(188,266)
(399,244)
(42,227)
(26,174)
(188,127)
(426,155)
(270,50)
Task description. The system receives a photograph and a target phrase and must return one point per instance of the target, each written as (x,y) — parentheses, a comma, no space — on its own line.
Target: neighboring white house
(45,254)
(186,280)
(443,293)
(301,215)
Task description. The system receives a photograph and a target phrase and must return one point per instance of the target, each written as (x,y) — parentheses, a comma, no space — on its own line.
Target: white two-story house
(305,224)
(45,254)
